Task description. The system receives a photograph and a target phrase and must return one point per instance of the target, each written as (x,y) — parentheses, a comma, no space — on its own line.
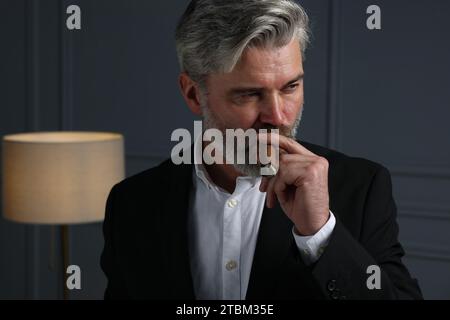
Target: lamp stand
(64,233)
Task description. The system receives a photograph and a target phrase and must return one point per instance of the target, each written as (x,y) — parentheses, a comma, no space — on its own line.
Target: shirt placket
(231,263)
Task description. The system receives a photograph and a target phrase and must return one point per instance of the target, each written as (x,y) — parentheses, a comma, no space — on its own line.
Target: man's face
(264,90)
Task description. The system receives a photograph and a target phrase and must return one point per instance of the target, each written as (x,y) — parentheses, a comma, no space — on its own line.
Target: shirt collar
(200,169)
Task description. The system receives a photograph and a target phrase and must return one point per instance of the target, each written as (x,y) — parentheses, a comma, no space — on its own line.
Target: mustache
(283,130)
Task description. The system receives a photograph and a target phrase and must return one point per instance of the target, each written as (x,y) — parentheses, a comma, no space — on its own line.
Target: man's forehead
(271,66)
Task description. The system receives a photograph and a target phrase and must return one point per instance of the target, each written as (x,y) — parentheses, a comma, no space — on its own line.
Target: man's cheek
(291,113)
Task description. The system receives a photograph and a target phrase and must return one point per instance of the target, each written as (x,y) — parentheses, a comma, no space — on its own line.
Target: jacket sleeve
(342,271)
(115,285)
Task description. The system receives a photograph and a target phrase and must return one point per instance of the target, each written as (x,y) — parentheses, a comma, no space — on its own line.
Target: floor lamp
(60,178)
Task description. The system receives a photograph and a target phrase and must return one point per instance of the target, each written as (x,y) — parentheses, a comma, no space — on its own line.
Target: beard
(210,121)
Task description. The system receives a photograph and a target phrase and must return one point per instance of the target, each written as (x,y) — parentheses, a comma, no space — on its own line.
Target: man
(324,227)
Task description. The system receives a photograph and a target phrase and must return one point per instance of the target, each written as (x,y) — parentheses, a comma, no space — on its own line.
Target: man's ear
(191,93)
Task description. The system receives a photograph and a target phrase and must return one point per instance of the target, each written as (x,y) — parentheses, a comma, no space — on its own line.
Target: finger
(268,154)
(264,184)
(269,159)
(285,143)
(288,158)
(279,188)
(291,167)
(286,178)
(293,173)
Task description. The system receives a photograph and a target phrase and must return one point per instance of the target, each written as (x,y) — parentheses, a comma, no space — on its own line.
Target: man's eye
(247,97)
(250,94)
(291,87)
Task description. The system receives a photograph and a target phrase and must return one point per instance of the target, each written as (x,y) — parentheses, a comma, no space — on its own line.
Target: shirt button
(331,286)
(306,252)
(231,265)
(232,203)
(335,295)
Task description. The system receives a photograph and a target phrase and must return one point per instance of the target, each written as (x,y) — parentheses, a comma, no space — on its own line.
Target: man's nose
(272,111)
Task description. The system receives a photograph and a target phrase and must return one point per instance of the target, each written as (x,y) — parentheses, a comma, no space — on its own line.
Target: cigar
(269,169)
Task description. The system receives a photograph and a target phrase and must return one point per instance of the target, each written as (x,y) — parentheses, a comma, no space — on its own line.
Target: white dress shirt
(223,230)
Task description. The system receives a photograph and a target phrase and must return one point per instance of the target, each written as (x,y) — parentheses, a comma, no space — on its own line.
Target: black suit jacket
(146,245)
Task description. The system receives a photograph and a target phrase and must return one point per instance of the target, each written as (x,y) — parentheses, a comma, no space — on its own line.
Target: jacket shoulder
(146,181)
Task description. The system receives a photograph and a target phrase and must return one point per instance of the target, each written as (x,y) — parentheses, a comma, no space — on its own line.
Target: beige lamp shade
(60,177)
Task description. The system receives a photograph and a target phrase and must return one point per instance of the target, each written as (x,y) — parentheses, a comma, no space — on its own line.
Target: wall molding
(66,109)
(426,252)
(32,261)
(333,118)
(66,72)
(423,171)
(423,210)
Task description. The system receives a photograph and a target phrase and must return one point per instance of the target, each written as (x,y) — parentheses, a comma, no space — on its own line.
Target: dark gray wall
(378,94)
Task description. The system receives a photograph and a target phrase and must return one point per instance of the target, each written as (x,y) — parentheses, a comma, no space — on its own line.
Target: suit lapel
(273,245)
(176,213)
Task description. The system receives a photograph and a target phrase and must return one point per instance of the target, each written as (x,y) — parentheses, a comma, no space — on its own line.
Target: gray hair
(212,34)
